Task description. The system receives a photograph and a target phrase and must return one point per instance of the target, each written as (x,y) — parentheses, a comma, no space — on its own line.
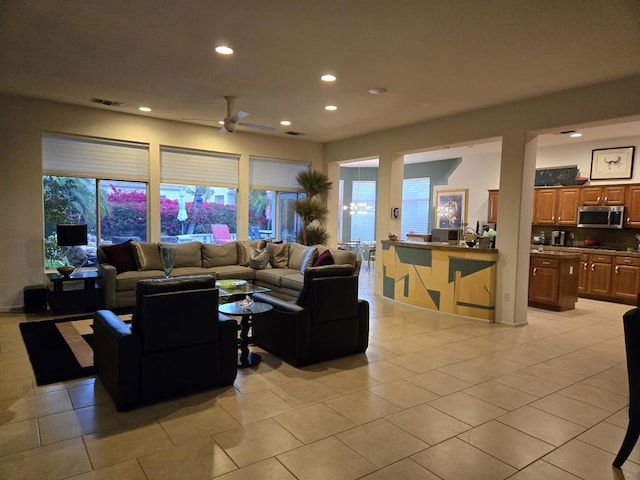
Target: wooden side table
(78,292)
(247,358)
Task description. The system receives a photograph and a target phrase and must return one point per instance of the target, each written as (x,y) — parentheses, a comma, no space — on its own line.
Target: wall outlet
(506,297)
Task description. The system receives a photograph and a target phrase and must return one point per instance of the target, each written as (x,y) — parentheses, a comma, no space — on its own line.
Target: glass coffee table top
(231,288)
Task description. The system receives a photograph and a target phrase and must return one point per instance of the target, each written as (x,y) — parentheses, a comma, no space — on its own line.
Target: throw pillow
(147,255)
(325,258)
(259,259)
(121,256)
(278,254)
(216,255)
(244,250)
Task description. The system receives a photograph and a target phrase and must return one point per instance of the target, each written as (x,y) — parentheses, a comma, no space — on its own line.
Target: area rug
(60,349)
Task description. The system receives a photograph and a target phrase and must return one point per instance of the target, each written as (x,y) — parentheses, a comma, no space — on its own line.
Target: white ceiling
(435,57)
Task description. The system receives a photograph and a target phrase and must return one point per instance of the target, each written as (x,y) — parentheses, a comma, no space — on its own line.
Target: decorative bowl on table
(230,283)
(65,270)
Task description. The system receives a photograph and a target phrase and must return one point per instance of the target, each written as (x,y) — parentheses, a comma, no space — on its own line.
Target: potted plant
(312,209)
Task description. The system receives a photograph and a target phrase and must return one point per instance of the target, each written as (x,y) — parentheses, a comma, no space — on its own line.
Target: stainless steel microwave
(601,217)
(450,235)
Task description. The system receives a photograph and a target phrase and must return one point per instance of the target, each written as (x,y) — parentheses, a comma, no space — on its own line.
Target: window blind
(415,206)
(363,226)
(197,167)
(94,158)
(269,174)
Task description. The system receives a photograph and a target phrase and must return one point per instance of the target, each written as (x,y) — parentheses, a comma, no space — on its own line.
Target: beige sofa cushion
(147,255)
(187,254)
(301,256)
(278,254)
(340,257)
(215,255)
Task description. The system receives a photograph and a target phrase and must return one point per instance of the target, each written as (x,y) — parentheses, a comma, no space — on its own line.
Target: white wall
(21,213)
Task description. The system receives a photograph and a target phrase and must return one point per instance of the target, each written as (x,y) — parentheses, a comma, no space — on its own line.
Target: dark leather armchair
(631,322)
(175,345)
(327,321)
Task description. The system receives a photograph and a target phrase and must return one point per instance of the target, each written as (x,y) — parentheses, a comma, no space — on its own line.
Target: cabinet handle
(606,199)
(585,266)
(598,201)
(534,271)
(559,218)
(593,266)
(628,219)
(617,267)
(553,218)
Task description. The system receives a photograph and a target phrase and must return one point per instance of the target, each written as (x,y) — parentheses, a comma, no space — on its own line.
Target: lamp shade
(71,234)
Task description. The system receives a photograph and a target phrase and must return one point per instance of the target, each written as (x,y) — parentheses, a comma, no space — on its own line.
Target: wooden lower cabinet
(553,281)
(614,278)
(625,282)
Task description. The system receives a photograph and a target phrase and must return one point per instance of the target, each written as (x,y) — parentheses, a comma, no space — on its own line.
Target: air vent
(293,133)
(108,103)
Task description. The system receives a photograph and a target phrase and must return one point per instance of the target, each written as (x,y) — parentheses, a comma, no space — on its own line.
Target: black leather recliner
(175,345)
(327,321)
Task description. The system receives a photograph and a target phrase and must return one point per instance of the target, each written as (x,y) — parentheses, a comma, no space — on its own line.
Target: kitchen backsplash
(574,236)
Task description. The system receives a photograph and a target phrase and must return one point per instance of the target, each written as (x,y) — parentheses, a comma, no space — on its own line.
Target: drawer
(634,261)
(545,262)
(600,258)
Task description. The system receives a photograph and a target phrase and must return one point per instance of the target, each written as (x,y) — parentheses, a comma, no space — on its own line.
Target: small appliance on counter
(447,235)
(558,238)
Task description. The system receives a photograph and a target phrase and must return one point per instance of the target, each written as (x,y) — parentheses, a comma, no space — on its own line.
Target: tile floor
(435,397)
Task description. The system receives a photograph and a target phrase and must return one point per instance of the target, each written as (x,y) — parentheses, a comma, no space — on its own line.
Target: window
(363,220)
(95,181)
(273,192)
(197,195)
(415,206)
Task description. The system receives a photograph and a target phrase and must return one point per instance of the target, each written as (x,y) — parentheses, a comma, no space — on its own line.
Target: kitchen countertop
(439,246)
(555,253)
(581,250)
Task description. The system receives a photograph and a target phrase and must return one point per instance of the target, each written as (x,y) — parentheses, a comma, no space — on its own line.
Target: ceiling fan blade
(222,131)
(239,115)
(264,128)
(200,119)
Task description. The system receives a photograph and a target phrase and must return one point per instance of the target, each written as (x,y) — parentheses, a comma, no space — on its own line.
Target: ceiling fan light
(144,109)
(224,50)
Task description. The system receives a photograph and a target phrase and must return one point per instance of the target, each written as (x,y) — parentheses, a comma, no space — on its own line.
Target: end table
(78,292)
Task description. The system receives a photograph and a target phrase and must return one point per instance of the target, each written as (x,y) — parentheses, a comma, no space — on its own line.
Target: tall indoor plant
(313,209)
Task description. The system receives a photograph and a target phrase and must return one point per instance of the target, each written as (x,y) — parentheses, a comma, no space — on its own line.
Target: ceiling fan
(232,120)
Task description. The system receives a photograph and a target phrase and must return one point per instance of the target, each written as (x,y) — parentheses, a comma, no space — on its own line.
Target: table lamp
(71,235)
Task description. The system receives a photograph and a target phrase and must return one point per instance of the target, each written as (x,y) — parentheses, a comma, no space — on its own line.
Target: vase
(168,258)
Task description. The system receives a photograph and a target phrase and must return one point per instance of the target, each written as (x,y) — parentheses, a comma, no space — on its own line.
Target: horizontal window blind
(94,158)
(269,174)
(415,206)
(197,167)
(363,226)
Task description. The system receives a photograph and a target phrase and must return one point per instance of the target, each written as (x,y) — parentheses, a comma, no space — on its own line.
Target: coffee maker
(557,238)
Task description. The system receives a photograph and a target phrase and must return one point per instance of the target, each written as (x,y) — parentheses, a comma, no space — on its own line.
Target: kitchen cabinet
(632,205)
(599,269)
(492,214)
(553,281)
(603,195)
(583,274)
(625,282)
(556,206)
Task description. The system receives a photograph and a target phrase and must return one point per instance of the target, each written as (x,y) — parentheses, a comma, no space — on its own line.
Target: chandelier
(359,208)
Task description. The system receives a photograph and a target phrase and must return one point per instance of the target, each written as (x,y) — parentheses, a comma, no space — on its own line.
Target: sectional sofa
(277,266)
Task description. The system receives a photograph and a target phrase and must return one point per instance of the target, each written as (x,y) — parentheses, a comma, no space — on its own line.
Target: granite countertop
(581,250)
(439,246)
(555,253)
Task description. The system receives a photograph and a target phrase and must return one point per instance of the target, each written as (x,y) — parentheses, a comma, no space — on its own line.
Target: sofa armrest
(278,303)
(108,281)
(363,325)
(116,353)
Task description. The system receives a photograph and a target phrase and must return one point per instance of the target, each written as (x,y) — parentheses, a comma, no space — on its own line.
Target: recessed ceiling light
(221,122)
(144,109)
(378,91)
(224,50)
(575,135)
(285,123)
(331,108)
(328,78)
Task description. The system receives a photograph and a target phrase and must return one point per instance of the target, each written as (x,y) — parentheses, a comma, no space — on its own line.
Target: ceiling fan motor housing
(230,125)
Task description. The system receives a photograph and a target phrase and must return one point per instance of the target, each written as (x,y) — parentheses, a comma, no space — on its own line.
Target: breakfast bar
(439,276)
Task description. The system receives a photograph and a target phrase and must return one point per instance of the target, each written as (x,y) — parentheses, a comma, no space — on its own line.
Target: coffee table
(246,314)
(227,292)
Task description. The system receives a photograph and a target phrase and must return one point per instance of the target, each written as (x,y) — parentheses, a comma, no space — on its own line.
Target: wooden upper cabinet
(556,206)
(492,213)
(604,195)
(632,204)
(567,209)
